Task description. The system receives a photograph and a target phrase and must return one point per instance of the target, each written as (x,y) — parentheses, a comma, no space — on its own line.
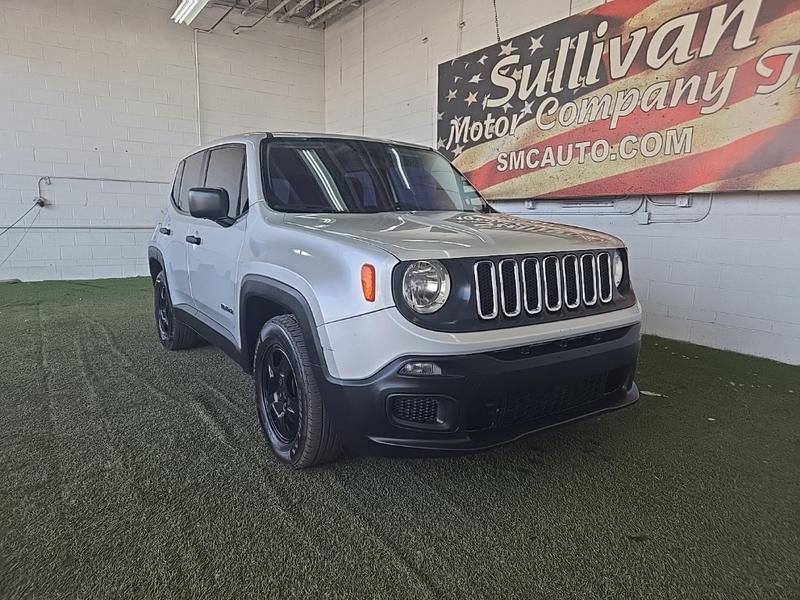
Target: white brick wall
(106,88)
(730,281)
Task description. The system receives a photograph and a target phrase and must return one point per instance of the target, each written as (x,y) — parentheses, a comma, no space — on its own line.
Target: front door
(214,248)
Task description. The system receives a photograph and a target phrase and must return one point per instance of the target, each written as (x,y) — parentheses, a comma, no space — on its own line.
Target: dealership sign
(633,97)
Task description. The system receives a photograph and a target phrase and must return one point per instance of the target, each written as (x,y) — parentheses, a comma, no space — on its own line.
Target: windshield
(354,176)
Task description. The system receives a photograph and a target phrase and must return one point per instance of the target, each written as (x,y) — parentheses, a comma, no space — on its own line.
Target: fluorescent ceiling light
(188,10)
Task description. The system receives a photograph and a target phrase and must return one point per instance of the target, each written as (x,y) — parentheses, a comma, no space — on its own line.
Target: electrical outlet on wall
(683,201)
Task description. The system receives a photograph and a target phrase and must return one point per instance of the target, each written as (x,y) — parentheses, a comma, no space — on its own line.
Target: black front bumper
(484,400)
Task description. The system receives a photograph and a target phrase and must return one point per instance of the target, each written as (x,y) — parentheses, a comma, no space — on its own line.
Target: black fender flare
(261,286)
(154,253)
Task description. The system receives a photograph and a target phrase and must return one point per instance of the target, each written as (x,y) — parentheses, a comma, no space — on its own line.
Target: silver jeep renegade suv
(381,305)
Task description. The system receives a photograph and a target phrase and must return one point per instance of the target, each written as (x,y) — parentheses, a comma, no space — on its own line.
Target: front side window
(226,170)
(354,176)
(192,177)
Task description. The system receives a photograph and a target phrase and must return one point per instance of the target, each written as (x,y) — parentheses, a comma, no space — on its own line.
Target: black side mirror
(209,203)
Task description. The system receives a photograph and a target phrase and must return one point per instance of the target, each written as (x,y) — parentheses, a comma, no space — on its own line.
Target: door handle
(193,239)
(164,231)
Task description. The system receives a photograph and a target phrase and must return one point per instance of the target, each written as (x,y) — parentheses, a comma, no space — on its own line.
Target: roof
(256,136)
(342,136)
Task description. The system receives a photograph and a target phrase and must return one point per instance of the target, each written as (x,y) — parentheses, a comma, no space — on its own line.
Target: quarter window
(176,185)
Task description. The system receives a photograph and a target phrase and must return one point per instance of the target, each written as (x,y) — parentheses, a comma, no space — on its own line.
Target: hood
(414,236)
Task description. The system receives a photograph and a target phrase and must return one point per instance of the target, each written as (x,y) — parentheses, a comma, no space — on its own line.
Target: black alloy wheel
(290,408)
(172,334)
(163,311)
(281,397)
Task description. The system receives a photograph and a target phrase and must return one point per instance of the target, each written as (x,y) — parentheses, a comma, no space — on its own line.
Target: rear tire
(292,414)
(172,334)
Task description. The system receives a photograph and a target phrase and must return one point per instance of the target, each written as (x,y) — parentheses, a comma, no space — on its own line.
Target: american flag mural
(632,97)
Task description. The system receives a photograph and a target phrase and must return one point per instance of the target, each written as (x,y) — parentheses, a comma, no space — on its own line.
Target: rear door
(174,228)
(214,251)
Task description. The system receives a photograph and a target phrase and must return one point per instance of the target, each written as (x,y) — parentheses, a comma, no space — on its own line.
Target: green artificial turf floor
(132,472)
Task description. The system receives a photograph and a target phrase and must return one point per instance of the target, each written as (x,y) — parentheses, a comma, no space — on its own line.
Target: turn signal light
(368,282)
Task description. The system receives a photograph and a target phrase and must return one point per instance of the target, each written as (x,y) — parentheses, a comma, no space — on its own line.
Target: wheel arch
(155,262)
(262,298)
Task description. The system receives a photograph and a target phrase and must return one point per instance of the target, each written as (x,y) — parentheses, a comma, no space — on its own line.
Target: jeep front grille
(548,283)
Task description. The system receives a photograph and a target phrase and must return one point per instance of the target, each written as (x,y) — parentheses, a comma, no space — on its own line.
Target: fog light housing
(420,369)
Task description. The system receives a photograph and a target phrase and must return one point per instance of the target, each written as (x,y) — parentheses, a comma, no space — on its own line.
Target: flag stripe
(747,155)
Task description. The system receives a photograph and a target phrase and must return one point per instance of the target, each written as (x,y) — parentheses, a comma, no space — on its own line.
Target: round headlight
(619,268)
(426,286)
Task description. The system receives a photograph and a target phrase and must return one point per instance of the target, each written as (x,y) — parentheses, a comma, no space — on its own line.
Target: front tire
(172,334)
(290,408)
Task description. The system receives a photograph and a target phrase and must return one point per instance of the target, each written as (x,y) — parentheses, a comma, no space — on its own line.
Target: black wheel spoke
(274,410)
(280,361)
(281,397)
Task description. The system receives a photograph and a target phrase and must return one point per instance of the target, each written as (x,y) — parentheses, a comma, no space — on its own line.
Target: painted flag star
(456,78)
(458,150)
(536,43)
(507,106)
(517,74)
(476,78)
(440,143)
(528,110)
(466,64)
(507,49)
(439,116)
(471,98)
(482,59)
(451,95)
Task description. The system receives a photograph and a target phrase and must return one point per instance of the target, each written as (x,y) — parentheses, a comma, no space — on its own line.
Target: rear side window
(226,169)
(192,178)
(176,185)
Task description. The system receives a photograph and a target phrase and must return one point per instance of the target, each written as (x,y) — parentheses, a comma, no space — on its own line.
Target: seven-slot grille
(546,283)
